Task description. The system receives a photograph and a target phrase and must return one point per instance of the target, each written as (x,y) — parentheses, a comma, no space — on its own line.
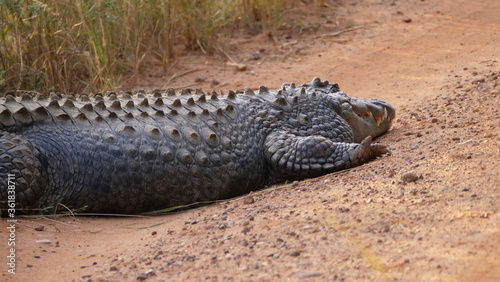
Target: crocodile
(125,152)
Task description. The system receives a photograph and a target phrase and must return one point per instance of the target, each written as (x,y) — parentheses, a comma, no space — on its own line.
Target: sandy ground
(437,62)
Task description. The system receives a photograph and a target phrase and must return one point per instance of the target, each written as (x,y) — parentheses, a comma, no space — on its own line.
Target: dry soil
(428,212)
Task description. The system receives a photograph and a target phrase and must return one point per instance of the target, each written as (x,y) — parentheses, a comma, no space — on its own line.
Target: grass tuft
(87,46)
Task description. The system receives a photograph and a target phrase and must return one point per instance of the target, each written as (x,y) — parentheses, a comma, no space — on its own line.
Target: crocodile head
(366,118)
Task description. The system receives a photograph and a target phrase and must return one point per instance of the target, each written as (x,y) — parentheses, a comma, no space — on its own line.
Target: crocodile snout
(368,118)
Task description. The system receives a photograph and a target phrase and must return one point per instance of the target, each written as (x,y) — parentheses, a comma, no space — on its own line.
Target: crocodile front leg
(296,157)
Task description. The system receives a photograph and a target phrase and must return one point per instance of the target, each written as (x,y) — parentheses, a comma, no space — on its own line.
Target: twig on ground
(338,32)
(226,54)
(175,75)
(288,44)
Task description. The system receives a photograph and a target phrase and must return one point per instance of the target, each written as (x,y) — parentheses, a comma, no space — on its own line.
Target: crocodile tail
(21,180)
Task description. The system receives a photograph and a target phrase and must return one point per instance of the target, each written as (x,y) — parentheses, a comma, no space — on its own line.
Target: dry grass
(75,46)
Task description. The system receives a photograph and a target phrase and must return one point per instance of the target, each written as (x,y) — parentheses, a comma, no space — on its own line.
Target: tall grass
(262,14)
(74,46)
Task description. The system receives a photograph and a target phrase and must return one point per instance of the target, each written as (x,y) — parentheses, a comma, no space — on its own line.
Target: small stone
(29,265)
(39,228)
(246,229)
(409,177)
(113,268)
(294,253)
(146,275)
(248,200)
(239,67)
(153,233)
(478,80)
(344,209)
(255,56)
(473,195)
(244,242)
(434,119)
(43,241)
(199,79)
(305,275)
(407,20)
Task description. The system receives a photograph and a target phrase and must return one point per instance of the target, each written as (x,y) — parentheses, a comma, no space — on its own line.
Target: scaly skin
(131,154)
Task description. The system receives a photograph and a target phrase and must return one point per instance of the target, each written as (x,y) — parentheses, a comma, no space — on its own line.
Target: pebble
(409,177)
(305,275)
(246,230)
(343,209)
(43,241)
(407,20)
(39,228)
(294,253)
(248,200)
(244,242)
(146,275)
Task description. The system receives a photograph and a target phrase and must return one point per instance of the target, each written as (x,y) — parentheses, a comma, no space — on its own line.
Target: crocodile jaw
(367,118)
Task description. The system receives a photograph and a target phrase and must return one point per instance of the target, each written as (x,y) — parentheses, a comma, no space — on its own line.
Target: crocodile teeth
(379,120)
(367,115)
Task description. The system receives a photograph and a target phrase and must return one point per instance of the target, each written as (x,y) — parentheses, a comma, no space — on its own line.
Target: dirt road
(437,62)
